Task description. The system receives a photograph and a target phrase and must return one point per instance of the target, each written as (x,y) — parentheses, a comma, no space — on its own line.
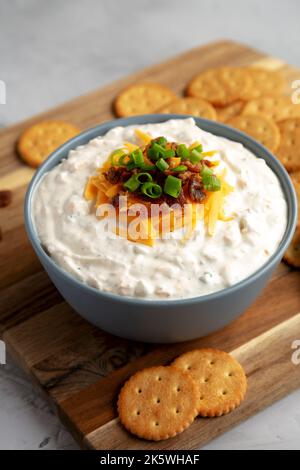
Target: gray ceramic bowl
(169,320)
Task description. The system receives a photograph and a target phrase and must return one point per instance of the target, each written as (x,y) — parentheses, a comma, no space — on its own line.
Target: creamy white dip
(75,239)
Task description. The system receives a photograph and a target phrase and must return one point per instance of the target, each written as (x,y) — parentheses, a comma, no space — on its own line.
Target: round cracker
(288,151)
(38,141)
(224,113)
(142,98)
(259,127)
(263,82)
(273,106)
(295,177)
(157,403)
(221,380)
(292,254)
(191,106)
(220,86)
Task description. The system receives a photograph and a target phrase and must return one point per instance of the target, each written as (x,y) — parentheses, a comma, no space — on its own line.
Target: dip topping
(161,169)
(161,172)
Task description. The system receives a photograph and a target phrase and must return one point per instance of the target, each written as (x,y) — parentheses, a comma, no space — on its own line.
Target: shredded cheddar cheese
(130,147)
(194,145)
(101,191)
(143,136)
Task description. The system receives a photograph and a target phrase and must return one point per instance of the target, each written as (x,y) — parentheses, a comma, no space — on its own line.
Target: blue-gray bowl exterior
(162,321)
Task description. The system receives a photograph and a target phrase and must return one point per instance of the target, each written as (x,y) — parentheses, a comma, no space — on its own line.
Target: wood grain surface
(77,367)
(271,373)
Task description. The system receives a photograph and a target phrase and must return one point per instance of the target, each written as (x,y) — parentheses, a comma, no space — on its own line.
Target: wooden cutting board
(79,368)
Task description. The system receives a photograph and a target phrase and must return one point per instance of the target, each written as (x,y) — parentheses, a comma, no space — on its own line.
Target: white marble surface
(53,51)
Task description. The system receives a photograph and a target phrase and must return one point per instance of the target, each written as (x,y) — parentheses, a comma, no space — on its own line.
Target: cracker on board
(259,127)
(37,142)
(224,113)
(292,254)
(263,82)
(221,380)
(273,106)
(191,106)
(142,98)
(157,403)
(295,177)
(220,86)
(288,151)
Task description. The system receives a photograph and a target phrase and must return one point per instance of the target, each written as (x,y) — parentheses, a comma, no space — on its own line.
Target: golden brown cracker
(259,127)
(157,403)
(191,106)
(224,113)
(295,177)
(38,141)
(288,151)
(142,98)
(221,380)
(273,106)
(292,254)
(263,82)
(220,86)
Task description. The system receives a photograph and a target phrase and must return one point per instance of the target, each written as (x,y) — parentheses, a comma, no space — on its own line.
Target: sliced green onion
(151,190)
(169,153)
(121,161)
(137,157)
(206,172)
(131,165)
(143,177)
(136,180)
(157,151)
(183,152)
(180,168)
(116,155)
(172,186)
(161,141)
(212,184)
(162,164)
(147,167)
(199,148)
(210,181)
(195,156)
(132,184)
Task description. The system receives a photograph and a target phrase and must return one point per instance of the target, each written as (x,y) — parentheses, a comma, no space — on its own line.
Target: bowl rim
(216,128)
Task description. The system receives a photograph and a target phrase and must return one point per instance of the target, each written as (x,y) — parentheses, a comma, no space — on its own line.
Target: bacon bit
(195,189)
(195,168)
(116,175)
(173,162)
(5,198)
(115,200)
(181,199)
(208,163)
(172,145)
(185,176)
(112,175)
